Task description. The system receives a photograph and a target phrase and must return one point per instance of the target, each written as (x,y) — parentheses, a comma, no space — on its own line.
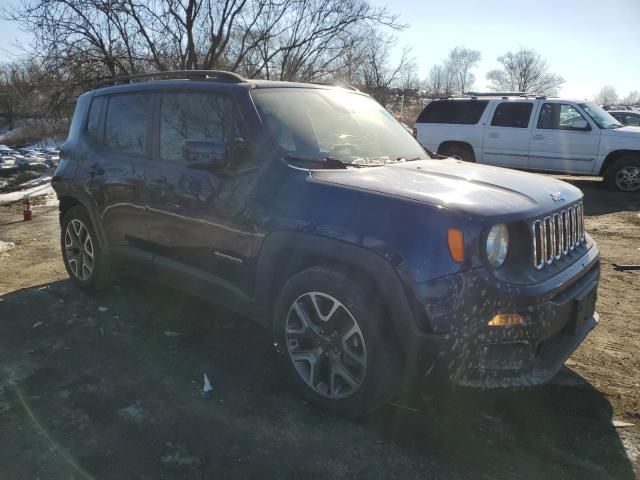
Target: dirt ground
(109,386)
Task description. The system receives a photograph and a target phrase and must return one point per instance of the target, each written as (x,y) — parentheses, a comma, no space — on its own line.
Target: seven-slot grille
(557,235)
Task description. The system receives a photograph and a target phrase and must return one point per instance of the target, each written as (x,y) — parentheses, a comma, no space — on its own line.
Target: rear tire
(88,264)
(624,174)
(329,332)
(457,151)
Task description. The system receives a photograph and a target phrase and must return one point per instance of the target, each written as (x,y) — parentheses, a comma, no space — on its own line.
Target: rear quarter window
(461,112)
(94,122)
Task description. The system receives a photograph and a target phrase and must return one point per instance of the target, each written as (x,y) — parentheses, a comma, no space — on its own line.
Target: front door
(196,218)
(563,140)
(506,139)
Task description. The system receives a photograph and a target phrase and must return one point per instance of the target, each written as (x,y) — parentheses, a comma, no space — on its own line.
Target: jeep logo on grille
(557,196)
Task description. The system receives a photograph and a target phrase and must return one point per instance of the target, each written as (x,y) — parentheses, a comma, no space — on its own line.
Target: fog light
(505,320)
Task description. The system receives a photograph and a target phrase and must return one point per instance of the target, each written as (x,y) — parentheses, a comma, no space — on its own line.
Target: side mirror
(205,154)
(580,125)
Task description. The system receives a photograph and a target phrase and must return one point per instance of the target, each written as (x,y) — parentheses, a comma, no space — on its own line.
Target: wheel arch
(68,200)
(615,155)
(456,143)
(286,253)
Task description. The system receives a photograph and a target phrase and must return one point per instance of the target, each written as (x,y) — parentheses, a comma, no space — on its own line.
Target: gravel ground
(110,386)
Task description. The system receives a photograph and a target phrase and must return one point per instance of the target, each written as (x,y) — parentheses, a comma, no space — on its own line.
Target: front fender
(285,253)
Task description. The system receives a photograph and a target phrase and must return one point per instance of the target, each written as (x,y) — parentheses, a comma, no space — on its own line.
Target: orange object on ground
(26,209)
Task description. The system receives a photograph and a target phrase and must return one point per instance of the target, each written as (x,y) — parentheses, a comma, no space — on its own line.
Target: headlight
(497,245)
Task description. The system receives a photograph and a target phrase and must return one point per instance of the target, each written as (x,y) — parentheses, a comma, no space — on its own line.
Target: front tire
(624,174)
(329,331)
(87,263)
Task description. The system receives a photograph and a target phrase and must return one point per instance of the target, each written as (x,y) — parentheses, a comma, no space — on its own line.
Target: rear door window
(512,115)
(126,124)
(461,112)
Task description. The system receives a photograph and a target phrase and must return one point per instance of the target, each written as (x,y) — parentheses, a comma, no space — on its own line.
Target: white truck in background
(533,133)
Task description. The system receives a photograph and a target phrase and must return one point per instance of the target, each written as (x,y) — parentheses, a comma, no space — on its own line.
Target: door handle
(538,137)
(493,135)
(95,169)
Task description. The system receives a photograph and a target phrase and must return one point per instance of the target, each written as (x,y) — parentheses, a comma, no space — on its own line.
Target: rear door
(564,139)
(196,220)
(113,169)
(507,137)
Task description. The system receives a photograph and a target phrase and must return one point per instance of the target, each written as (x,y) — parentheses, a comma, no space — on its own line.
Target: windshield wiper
(326,162)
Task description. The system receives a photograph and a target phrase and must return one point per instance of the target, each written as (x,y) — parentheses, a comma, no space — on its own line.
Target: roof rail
(215,75)
(499,94)
(336,84)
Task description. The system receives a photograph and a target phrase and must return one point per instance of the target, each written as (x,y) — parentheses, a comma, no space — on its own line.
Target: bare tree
(524,71)
(440,82)
(459,64)
(607,96)
(409,76)
(283,39)
(632,99)
(454,74)
(376,73)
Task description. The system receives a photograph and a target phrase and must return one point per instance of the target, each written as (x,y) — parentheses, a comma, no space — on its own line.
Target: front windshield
(600,116)
(317,124)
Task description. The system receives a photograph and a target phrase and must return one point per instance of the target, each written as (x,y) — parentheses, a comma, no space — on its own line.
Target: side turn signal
(455,238)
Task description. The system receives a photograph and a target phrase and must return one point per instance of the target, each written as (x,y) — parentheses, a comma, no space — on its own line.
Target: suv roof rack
(499,94)
(215,75)
(336,84)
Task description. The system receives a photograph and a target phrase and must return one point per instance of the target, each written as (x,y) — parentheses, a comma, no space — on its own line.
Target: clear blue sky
(590,43)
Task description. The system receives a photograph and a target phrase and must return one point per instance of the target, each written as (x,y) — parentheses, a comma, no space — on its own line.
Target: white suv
(534,133)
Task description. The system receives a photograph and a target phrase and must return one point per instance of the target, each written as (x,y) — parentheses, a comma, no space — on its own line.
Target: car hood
(475,189)
(628,131)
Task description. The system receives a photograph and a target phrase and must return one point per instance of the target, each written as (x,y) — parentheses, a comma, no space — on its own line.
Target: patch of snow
(4,246)
(621,424)
(38,191)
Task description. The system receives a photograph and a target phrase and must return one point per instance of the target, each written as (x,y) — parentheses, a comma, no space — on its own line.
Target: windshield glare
(316,124)
(599,115)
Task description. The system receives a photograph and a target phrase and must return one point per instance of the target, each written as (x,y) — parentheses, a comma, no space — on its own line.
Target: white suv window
(512,115)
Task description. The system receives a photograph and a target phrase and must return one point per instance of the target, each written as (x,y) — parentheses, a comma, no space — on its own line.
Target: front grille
(557,235)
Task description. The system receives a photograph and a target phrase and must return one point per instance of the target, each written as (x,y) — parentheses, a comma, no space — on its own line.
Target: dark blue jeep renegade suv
(309,209)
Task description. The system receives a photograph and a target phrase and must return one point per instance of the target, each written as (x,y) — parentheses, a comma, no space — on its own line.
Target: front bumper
(477,355)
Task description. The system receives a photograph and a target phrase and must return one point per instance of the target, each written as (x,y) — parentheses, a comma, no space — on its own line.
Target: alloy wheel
(78,247)
(326,345)
(628,178)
